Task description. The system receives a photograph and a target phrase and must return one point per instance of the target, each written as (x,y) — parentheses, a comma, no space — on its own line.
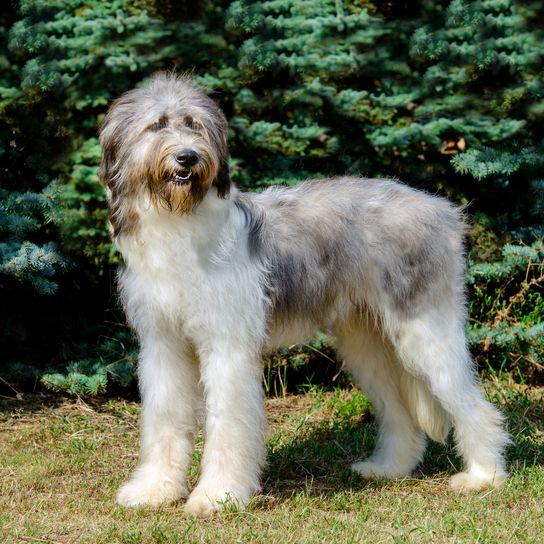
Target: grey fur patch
(326,240)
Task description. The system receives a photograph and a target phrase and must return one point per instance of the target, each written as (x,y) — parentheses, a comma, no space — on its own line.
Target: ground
(62,460)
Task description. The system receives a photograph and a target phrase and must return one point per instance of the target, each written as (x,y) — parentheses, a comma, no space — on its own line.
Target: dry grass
(61,462)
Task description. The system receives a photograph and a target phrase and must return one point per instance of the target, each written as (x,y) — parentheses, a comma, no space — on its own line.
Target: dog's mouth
(182,177)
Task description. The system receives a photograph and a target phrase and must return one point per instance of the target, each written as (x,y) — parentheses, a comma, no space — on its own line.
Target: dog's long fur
(213,276)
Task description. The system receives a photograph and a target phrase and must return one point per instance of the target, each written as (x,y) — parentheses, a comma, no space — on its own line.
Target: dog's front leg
(168,379)
(234,449)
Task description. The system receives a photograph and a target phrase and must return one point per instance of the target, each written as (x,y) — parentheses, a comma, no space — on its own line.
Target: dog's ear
(107,169)
(222,181)
(108,161)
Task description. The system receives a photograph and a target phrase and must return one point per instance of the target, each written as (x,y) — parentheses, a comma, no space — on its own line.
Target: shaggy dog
(212,277)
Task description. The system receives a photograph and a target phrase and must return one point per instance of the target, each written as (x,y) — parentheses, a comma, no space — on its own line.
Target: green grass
(61,462)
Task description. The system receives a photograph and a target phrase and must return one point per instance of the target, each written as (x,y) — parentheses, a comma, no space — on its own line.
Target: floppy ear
(107,170)
(108,142)
(222,180)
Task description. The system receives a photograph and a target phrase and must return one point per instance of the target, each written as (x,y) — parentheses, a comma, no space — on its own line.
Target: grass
(62,460)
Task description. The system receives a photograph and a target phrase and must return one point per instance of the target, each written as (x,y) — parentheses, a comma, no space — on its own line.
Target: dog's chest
(193,274)
(175,249)
(169,269)
(189,273)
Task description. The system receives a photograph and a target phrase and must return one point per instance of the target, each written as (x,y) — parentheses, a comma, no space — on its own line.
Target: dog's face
(169,140)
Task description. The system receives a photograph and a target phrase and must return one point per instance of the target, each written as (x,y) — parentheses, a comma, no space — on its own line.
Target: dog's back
(364,241)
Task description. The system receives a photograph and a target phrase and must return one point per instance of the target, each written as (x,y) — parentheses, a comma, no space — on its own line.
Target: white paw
(204,501)
(150,492)
(374,470)
(477,479)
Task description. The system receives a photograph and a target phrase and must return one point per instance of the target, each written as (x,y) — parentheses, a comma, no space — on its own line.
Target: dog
(213,276)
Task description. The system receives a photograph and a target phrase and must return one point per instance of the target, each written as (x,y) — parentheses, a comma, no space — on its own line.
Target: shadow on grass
(22,402)
(28,403)
(317,460)
(524,411)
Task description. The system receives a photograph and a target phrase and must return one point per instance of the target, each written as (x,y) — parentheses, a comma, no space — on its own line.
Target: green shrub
(448,96)
(507,311)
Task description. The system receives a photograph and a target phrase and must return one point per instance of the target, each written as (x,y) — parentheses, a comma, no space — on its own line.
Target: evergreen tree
(507,310)
(482,95)
(314,79)
(63,62)
(483,87)
(447,96)
(425,94)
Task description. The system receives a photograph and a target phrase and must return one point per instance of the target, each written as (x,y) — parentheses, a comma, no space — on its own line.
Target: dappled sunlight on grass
(61,464)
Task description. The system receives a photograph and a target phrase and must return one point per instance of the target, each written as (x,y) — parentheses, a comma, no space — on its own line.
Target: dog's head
(170,140)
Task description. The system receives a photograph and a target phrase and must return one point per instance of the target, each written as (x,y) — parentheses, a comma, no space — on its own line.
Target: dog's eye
(159,125)
(189,122)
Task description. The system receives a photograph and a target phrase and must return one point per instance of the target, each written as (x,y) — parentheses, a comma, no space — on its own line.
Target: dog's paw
(477,480)
(374,470)
(204,501)
(145,492)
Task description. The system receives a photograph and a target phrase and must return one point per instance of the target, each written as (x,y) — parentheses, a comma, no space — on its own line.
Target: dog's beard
(179,196)
(179,189)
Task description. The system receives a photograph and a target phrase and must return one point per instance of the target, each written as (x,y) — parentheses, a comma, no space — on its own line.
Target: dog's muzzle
(186,159)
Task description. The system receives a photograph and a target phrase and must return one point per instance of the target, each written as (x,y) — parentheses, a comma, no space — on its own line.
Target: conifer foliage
(484,84)
(315,80)
(447,95)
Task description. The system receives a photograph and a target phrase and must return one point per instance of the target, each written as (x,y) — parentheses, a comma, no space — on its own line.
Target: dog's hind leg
(432,347)
(401,443)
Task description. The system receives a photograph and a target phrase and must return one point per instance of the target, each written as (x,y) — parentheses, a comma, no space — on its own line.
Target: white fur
(187,283)
(212,280)
(198,302)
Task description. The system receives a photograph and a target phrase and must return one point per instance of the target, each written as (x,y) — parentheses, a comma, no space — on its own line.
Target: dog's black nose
(186,158)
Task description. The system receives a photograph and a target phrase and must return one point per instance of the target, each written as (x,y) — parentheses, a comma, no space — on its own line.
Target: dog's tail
(427,413)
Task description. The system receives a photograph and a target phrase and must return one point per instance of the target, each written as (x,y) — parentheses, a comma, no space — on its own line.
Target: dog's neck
(211,229)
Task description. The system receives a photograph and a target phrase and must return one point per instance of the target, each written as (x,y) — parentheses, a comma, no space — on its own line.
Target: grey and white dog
(212,277)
